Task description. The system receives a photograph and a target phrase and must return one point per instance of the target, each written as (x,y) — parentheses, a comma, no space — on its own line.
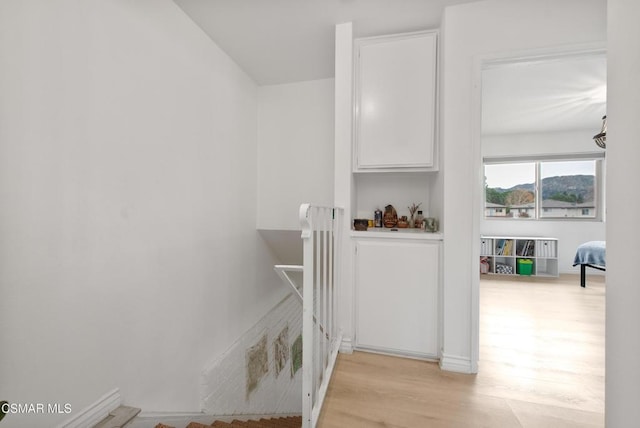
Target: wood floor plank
(532,415)
(541,364)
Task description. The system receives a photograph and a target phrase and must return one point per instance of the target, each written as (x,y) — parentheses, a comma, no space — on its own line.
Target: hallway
(541,364)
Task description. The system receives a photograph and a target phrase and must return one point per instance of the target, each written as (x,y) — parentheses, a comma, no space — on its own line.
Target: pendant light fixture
(601,138)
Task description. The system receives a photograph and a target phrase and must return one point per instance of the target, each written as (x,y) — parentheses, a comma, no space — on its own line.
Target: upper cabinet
(396,102)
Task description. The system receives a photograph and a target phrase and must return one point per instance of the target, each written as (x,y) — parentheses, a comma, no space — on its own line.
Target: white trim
(545,54)
(96,412)
(398,353)
(395,233)
(454,363)
(346,346)
(544,157)
(448,362)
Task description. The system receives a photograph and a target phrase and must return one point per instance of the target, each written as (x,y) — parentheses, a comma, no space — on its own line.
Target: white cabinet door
(396,102)
(397,296)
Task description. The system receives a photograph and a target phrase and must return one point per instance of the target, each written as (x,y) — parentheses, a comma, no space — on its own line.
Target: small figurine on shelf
(390,216)
(412,213)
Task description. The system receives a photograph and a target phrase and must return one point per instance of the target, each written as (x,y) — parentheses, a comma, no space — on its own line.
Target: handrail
(282,270)
(321,227)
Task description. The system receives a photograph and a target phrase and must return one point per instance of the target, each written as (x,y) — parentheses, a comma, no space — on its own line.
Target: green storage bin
(525,266)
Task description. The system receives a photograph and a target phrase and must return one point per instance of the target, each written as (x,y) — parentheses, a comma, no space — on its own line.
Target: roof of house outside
(552,203)
(547,203)
(492,205)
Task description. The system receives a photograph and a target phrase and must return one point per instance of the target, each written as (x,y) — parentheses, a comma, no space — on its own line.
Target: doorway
(541,170)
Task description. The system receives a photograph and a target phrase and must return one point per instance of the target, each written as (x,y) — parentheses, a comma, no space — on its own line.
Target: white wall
(295,150)
(623,294)
(542,143)
(129,256)
(570,233)
(470,32)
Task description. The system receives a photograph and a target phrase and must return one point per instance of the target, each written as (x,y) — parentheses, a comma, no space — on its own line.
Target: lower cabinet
(396,299)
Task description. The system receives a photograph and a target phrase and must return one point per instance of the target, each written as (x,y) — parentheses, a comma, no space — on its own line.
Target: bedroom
(544,174)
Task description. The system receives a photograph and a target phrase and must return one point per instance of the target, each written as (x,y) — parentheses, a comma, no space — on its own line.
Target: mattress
(591,253)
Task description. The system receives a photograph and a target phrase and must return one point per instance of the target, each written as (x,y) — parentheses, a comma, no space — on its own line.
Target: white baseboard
(398,353)
(454,363)
(346,346)
(96,412)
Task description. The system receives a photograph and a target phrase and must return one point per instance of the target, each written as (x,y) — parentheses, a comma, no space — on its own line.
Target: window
(568,188)
(510,190)
(546,188)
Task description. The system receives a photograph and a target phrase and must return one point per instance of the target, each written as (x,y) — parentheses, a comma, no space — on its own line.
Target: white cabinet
(397,296)
(396,274)
(525,256)
(396,102)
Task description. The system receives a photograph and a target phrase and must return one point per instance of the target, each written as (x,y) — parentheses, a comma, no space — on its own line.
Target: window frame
(598,184)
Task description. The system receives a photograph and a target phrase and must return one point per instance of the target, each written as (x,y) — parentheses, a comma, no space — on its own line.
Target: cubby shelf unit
(506,255)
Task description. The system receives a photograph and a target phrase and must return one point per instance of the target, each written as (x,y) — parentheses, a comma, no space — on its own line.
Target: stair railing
(321,337)
(283,272)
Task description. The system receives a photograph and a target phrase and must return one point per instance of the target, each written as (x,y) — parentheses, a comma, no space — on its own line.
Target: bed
(590,254)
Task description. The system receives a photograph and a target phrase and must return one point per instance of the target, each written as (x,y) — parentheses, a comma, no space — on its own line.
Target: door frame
(481,62)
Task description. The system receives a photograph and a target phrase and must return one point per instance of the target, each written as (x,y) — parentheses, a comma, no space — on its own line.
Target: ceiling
(283,41)
(556,94)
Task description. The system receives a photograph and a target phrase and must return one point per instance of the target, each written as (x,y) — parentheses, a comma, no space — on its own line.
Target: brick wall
(225,386)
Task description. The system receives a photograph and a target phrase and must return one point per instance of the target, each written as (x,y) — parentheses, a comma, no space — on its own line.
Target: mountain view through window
(567,189)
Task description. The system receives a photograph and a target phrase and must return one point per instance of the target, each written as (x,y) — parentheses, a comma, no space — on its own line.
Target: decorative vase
(390,216)
(431,224)
(413,209)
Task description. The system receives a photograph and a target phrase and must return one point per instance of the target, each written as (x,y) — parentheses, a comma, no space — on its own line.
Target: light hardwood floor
(541,365)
